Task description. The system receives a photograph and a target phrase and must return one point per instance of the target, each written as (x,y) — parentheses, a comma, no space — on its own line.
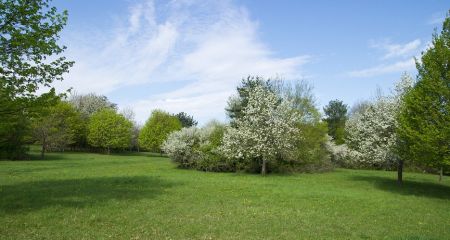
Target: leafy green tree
(57,127)
(424,120)
(87,105)
(108,129)
(157,129)
(30,57)
(186,119)
(336,115)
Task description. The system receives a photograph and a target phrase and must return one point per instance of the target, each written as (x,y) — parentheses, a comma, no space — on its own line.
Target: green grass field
(136,196)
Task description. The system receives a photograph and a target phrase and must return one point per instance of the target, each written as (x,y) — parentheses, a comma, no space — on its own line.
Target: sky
(189,55)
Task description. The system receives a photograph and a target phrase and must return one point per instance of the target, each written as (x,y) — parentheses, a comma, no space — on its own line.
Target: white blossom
(266,129)
(371,133)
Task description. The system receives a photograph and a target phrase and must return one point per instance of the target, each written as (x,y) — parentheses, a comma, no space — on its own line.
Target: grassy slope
(91,196)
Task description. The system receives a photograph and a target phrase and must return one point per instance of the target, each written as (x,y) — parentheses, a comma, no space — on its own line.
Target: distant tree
(266,129)
(30,57)
(157,129)
(129,114)
(186,120)
(87,105)
(336,115)
(57,127)
(424,121)
(91,103)
(108,129)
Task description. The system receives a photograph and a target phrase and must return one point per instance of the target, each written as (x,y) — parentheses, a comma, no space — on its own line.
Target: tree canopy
(424,121)
(336,115)
(30,58)
(157,129)
(108,129)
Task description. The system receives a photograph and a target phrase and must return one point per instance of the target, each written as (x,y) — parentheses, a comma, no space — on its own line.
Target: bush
(198,148)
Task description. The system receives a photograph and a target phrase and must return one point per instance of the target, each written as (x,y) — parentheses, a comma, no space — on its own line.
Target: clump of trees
(30,57)
(274,126)
(410,125)
(57,127)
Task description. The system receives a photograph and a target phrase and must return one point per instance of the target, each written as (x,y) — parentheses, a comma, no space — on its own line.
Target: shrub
(198,148)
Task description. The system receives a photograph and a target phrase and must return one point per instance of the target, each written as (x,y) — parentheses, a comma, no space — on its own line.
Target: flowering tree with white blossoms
(371,133)
(267,129)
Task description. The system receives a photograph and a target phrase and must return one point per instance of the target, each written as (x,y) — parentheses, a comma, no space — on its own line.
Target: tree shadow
(78,193)
(423,189)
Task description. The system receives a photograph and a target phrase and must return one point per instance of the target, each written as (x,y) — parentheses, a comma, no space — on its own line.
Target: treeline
(92,123)
(274,126)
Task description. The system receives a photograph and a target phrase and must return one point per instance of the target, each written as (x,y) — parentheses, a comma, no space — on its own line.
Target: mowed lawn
(138,196)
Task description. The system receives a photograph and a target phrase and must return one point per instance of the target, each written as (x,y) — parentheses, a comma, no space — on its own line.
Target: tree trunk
(43,151)
(441,173)
(400,172)
(107,150)
(263,168)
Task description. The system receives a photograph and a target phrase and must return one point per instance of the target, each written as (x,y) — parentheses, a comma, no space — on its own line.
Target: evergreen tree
(336,115)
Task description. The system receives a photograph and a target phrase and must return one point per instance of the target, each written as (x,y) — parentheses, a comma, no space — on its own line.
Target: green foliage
(29,58)
(311,151)
(156,129)
(186,120)
(57,127)
(336,115)
(108,129)
(424,120)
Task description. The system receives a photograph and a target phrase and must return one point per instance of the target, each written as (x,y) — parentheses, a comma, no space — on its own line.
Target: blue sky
(189,55)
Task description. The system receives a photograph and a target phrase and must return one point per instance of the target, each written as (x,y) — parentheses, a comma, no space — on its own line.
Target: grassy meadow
(144,196)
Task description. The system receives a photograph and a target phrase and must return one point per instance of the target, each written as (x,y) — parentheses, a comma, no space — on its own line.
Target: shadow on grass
(424,189)
(78,193)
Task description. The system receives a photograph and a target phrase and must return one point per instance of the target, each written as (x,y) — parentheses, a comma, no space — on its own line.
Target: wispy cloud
(208,45)
(397,50)
(436,18)
(399,66)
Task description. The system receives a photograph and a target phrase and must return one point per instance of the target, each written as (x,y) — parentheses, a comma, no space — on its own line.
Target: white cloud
(397,50)
(209,45)
(384,69)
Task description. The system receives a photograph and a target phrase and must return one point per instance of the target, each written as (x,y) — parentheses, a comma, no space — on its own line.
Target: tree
(108,129)
(30,57)
(57,128)
(186,120)
(371,132)
(129,114)
(87,105)
(336,115)
(265,129)
(424,120)
(91,103)
(157,129)
(237,103)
